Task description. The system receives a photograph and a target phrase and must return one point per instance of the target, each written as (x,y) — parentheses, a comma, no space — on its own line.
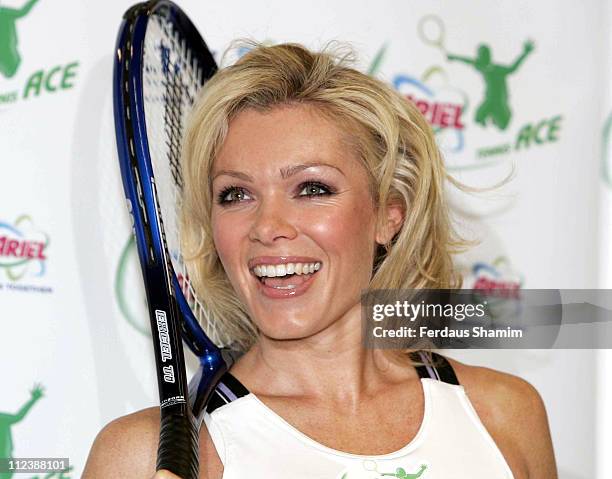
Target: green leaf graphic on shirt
(399,473)
(402,474)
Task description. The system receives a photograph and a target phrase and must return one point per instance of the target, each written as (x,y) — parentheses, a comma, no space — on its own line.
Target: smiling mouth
(286,276)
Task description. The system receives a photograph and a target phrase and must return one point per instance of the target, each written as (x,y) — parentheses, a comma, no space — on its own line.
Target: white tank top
(254,442)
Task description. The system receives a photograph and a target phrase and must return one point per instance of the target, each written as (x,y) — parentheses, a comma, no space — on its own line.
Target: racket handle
(179,445)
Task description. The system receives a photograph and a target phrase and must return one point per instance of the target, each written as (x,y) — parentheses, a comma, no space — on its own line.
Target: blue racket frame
(168,308)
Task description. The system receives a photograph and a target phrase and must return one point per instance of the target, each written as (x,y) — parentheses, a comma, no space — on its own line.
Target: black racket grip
(179,445)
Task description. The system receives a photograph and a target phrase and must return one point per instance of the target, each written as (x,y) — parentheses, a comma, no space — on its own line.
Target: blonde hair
(393,140)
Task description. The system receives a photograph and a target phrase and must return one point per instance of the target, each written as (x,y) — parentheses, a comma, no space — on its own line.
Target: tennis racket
(160,64)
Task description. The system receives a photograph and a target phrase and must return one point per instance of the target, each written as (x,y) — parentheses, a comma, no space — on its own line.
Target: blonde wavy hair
(393,140)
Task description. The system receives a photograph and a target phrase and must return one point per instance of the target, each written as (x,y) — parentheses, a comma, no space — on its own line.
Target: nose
(273,220)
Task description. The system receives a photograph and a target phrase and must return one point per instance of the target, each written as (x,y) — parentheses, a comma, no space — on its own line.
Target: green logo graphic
(9,55)
(7,421)
(494,108)
(49,79)
(133,307)
(495,105)
(400,472)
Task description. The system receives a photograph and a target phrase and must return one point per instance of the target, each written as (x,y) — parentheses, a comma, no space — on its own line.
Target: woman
(307,182)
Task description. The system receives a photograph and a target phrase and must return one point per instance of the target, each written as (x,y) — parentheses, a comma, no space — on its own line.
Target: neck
(331,365)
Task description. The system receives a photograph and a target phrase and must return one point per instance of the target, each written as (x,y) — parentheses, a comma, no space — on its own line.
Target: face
(290,196)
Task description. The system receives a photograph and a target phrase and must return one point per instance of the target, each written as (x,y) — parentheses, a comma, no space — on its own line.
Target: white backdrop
(74,319)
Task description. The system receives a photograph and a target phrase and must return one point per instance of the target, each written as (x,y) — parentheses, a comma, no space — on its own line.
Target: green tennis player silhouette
(495,106)
(401,473)
(9,55)
(6,422)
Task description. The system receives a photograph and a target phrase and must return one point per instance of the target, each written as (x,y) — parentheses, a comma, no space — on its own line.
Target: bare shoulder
(514,414)
(125,447)
(504,392)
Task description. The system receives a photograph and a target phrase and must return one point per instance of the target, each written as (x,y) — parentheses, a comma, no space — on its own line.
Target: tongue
(294,280)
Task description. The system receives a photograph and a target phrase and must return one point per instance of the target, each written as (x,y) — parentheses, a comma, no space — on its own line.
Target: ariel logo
(499,285)
(439,102)
(9,55)
(497,275)
(22,248)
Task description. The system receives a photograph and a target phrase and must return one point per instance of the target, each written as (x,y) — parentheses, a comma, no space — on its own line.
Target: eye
(314,188)
(232,194)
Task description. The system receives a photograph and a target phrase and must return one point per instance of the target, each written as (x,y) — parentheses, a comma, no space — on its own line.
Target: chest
(434,435)
(380,425)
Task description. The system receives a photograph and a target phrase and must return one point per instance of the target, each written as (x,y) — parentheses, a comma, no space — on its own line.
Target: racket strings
(173,116)
(173,77)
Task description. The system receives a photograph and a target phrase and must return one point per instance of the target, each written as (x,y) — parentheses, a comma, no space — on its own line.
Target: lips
(280,292)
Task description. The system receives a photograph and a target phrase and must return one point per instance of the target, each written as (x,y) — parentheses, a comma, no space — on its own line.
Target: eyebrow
(285,172)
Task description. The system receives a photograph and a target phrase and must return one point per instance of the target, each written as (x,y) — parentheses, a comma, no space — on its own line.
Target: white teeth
(272,271)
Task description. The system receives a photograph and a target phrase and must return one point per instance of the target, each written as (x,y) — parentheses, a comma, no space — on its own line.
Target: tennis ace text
(52,80)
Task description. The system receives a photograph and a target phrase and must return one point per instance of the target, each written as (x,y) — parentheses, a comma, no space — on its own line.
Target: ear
(394,219)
